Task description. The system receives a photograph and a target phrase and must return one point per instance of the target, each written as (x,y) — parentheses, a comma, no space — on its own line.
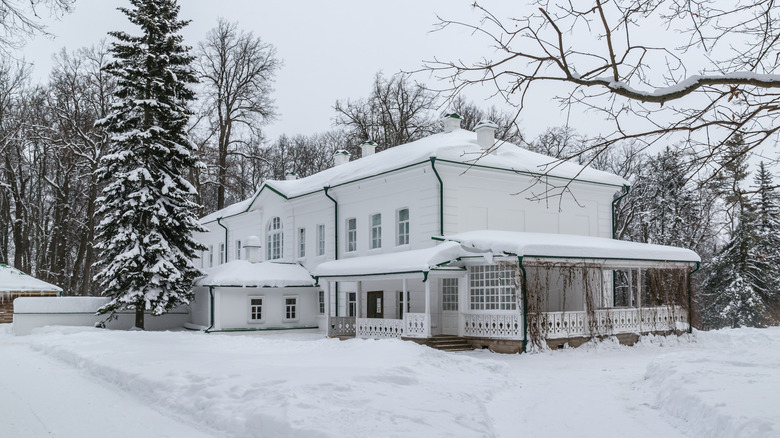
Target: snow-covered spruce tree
(147,208)
(767,202)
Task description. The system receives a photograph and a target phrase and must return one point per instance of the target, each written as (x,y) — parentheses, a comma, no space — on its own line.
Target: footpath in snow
(712,384)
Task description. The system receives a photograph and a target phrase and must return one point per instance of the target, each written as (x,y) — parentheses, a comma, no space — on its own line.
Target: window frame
(375,231)
(221,253)
(211,256)
(321,302)
(488,286)
(274,246)
(301,242)
(351,303)
(238,249)
(448,292)
(286,308)
(320,240)
(250,309)
(350,245)
(399,223)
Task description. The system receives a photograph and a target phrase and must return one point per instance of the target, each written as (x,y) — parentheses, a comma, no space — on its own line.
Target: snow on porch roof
(14,280)
(404,262)
(266,274)
(569,246)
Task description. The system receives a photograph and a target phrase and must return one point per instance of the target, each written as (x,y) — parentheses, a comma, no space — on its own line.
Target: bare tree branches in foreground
(657,70)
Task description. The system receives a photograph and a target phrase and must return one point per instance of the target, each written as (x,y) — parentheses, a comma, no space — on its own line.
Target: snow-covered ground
(83,382)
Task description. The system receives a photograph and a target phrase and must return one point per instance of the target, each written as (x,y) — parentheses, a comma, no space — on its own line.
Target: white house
(451,235)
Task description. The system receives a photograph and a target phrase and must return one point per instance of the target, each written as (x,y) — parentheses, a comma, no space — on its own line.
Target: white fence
(31,313)
(379,328)
(556,325)
(495,326)
(417,325)
(341,326)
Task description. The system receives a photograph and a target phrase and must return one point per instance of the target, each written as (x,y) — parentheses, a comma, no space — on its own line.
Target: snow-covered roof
(567,245)
(265,274)
(458,146)
(14,280)
(419,260)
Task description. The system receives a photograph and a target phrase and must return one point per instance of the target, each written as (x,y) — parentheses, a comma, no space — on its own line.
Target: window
(211,256)
(301,242)
(322,302)
(376,230)
(290,307)
(351,304)
(202,256)
(402,219)
(351,235)
(238,250)
(449,294)
(492,287)
(221,254)
(255,309)
(401,310)
(320,240)
(275,240)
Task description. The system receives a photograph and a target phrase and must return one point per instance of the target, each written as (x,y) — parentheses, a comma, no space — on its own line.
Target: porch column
(358,299)
(404,305)
(638,287)
(326,290)
(428,296)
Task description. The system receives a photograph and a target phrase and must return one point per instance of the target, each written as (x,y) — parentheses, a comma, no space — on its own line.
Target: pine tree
(767,204)
(147,208)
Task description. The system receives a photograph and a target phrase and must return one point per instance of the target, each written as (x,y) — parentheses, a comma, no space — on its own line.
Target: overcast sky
(330,50)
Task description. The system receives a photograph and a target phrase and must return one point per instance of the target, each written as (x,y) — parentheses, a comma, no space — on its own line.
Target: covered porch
(484,286)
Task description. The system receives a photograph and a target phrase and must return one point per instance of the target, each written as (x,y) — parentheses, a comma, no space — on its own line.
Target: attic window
(275,241)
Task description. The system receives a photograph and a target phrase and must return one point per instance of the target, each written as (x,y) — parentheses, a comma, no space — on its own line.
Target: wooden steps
(449,343)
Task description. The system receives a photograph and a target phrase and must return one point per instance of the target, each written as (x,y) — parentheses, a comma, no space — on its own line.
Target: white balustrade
(417,325)
(378,328)
(612,322)
(341,326)
(499,326)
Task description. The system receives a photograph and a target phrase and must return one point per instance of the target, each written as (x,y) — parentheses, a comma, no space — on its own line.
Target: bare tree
(472,114)
(21,18)
(237,70)
(715,75)
(396,112)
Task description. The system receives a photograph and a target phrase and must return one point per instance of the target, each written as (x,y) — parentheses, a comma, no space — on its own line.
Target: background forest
(725,207)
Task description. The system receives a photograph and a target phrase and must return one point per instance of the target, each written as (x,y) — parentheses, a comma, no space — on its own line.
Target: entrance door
(449,306)
(375,304)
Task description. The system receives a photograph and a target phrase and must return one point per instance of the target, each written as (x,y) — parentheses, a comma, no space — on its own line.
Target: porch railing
(379,328)
(417,325)
(556,325)
(341,326)
(499,326)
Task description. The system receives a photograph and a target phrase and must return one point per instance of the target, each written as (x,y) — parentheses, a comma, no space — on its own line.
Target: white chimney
(367,148)
(340,157)
(486,135)
(252,248)
(289,176)
(451,122)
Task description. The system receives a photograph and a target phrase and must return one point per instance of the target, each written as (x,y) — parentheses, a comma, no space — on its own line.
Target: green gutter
(219,219)
(690,298)
(335,242)
(269,329)
(524,291)
(211,309)
(626,189)
(441,196)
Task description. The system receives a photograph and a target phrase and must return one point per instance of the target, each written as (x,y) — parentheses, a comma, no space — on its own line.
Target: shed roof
(14,280)
(545,245)
(242,273)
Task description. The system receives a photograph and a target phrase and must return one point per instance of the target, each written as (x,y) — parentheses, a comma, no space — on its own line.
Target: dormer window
(275,239)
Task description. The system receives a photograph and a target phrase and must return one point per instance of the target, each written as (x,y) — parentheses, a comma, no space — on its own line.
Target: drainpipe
(690,297)
(226,238)
(211,308)
(524,292)
(336,242)
(626,189)
(441,196)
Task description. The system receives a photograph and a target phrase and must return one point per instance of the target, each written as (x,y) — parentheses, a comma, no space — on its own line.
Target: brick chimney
(451,122)
(252,248)
(367,148)
(486,135)
(340,157)
(289,176)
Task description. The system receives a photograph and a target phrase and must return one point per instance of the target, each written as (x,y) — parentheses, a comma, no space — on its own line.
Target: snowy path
(41,397)
(723,384)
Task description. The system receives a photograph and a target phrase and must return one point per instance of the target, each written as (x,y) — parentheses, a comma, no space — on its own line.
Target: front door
(375,304)
(449,306)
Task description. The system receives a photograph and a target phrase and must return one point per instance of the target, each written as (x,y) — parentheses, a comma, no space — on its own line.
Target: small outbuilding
(14,284)
(248,295)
